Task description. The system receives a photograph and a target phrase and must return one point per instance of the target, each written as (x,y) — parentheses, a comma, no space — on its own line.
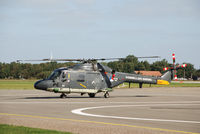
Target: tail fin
(165,78)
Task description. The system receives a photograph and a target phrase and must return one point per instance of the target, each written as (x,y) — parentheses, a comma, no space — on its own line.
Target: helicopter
(91,77)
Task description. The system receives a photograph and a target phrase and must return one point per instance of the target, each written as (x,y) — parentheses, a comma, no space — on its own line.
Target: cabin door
(65,79)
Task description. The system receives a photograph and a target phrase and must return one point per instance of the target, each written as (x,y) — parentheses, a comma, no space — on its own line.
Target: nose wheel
(106,95)
(63,96)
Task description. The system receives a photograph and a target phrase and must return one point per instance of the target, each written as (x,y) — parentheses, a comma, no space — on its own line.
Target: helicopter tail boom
(165,79)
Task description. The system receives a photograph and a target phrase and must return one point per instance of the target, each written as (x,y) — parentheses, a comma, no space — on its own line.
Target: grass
(28,84)
(10,129)
(17,84)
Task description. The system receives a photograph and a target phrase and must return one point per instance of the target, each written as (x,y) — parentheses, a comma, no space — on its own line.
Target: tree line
(130,64)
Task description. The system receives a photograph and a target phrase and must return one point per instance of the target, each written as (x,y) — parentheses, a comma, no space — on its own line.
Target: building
(149,73)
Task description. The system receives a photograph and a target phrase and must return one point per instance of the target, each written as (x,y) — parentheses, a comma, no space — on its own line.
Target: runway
(127,111)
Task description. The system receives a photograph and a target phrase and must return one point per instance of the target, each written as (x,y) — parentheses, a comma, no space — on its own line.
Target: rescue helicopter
(91,77)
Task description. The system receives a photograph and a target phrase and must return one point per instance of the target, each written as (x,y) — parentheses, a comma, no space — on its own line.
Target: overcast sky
(32,29)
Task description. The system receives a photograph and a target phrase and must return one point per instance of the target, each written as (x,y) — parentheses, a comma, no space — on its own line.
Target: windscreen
(54,75)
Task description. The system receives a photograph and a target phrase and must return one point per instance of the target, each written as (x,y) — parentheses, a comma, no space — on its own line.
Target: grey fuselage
(89,78)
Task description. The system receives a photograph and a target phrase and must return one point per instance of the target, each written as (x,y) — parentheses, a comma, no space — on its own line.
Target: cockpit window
(54,75)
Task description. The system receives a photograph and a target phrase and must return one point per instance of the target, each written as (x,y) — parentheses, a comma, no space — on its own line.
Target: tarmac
(127,111)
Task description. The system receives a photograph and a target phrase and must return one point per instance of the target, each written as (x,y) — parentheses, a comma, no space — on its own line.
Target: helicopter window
(54,75)
(81,78)
(63,75)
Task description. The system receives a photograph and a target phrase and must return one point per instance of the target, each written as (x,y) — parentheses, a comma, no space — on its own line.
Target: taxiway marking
(67,102)
(79,112)
(95,122)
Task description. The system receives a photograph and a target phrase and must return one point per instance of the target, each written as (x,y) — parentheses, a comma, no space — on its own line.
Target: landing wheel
(63,96)
(91,95)
(106,95)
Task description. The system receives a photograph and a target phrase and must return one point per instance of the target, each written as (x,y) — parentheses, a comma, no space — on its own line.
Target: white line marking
(66,102)
(33,102)
(79,112)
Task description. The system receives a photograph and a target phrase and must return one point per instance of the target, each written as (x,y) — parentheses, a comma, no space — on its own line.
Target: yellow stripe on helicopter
(83,85)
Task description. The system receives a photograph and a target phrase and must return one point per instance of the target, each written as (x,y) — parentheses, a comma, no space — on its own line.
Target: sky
(33,29)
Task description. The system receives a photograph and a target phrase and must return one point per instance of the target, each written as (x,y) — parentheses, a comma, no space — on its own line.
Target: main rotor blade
(85,60)
(63,59)
(53,60)
(28,60)
(149,57)
(125,58)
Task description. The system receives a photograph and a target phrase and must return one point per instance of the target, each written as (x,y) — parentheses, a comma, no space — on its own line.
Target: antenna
(51,57)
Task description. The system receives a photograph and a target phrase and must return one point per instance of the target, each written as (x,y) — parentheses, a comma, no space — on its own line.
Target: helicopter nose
(42,84)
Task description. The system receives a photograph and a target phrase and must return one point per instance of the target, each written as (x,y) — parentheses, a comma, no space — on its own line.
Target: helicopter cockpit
(54,74)
(57,73)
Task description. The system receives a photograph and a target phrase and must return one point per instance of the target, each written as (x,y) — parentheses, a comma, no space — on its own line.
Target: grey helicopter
(90,77)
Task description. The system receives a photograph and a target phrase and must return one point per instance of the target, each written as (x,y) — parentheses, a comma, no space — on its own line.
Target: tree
(128,67)
(139,66)
(131,59)
(159,65)
(189,71)
(146,65)
(1,71)
(197,73)
(129,64)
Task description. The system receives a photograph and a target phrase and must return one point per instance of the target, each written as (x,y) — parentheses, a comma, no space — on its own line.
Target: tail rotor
(174,68)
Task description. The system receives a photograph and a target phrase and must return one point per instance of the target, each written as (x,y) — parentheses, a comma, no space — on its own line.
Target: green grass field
(28,84)
(10,129)
(17,84)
